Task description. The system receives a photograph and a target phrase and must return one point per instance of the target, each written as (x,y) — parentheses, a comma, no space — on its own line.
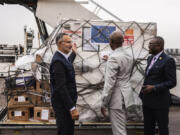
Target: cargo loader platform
(40,128)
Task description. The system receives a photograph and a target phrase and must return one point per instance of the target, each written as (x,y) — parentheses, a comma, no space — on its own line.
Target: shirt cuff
(73,108)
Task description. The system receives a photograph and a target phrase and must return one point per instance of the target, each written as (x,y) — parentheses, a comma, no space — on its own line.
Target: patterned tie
(152,63)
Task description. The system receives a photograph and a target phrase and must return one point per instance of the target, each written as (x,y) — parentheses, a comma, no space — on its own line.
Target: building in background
(10,53)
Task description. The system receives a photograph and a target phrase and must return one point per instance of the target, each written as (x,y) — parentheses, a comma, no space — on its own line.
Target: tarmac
(174,120)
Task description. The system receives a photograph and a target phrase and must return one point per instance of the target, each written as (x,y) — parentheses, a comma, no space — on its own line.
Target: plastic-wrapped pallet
(92,38)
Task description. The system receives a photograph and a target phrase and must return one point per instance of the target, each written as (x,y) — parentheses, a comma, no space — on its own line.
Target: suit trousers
(153,116)
(64,122)
(118,120)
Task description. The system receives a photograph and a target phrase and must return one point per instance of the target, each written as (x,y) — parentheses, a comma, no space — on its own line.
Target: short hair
(159,40)
(60,37)
(117,38)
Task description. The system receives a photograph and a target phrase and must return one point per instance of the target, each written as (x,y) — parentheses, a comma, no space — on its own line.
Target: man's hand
(74,48)
(75,114)
(105,57)
(147,89)
(103,111)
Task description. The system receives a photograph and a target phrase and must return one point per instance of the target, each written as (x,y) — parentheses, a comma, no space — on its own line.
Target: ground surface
(174,123)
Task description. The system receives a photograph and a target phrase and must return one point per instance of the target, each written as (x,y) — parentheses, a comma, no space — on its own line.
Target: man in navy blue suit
(63,85)
(160,77)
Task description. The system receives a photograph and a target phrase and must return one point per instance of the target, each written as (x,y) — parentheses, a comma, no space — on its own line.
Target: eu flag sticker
(100,34)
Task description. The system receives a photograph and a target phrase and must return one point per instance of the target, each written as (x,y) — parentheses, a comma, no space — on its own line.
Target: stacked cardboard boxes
(30,102)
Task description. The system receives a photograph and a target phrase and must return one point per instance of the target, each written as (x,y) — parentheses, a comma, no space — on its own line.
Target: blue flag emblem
(100,34)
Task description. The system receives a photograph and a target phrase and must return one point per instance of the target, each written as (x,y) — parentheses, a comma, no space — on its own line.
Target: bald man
(117,94)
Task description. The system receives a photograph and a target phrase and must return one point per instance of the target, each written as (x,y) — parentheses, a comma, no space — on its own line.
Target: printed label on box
(18,113)
(21,99)
(44,114)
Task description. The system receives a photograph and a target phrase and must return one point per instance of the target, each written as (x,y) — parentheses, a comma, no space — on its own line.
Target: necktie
(152,63)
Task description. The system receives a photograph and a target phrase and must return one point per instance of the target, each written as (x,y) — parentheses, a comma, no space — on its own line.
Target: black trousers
(64,122)
(153,116)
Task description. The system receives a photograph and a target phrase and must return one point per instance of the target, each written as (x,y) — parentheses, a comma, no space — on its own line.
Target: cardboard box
(41,101)
(51,114)
(20,90)
(43,113)
(24,100)
(42,85)
(42,88)
(18,114)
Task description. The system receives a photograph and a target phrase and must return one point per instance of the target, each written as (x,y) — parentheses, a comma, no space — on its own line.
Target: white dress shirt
(65,55)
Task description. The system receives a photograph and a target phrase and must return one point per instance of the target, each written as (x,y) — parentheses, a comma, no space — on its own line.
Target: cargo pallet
(29,128)
(49,128)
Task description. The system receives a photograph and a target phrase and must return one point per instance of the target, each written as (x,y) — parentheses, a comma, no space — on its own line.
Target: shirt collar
(157,55)
(65,55)
(117,49)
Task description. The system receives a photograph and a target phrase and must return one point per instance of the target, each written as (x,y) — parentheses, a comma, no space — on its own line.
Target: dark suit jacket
(163,76)
(63,85)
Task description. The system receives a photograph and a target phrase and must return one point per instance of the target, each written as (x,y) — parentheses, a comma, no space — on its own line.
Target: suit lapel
(149,62)
(157,61)
(67,62)
(150,59)
(60,55)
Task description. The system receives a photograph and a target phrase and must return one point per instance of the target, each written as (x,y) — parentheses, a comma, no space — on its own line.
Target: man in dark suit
(160,77)
(63,85)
